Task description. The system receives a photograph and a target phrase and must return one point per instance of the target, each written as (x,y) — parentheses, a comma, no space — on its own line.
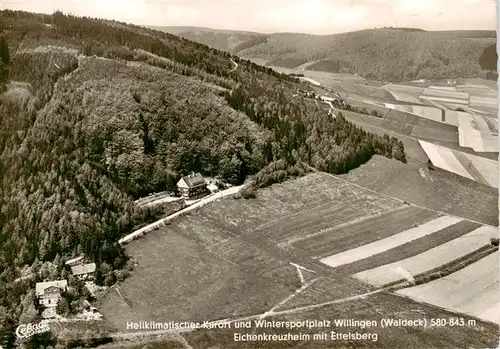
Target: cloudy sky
(310,16)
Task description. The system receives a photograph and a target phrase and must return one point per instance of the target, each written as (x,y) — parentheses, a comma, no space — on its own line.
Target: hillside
(98,113)
(390,54)
(224,40)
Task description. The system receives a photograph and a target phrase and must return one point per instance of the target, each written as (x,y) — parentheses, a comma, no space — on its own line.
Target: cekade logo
(25,331)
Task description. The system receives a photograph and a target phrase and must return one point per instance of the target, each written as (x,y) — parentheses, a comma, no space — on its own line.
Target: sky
(269,16)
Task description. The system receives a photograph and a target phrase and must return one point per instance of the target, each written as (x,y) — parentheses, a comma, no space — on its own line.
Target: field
(472,290)
(405,124)
(477,168)
(238,254)
(392,250)
(443,158)
(430,259)
(436,189)
(360,232)
(242,276)
(405,93)
(382,245)
(478,132)
(413,149)
(374,308)
(426,112)
(479,96)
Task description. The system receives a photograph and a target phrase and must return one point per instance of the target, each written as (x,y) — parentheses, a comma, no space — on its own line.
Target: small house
(192,186)
(49,293)
(83,271)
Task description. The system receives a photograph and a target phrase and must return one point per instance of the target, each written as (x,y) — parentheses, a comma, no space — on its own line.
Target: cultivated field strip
(413,149)
(437,190)
(492,124)
(452,106)
(327,202)
(400,124)
(472,290)
(430,113)
(337,239)
(430,259)
(410,248)
(445,94)
(413,90)
(314,219)
(388,243)
(480,124)
(405,97)
(427,112)
(445,99)
(483,101)
(487,167)
(451,117)
(471,168)
(474,167)
(479,142)
(444,88)
(444,158)
(442,106)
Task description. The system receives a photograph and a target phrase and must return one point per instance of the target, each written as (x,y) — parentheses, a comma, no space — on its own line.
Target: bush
(494,241)
(249,193)
(62,307)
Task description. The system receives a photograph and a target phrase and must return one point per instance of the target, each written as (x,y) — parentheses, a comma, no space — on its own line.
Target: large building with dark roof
(192,186)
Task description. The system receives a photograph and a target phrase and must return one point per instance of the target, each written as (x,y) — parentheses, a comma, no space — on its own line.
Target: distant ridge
(385,54)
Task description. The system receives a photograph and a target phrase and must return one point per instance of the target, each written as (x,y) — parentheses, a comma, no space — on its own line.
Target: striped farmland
(472,290)
(430,259)
(383,245)
(470,166)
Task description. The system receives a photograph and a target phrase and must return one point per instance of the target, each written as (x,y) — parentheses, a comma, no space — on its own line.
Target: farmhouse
(192,186)
(83,271)
(48,293)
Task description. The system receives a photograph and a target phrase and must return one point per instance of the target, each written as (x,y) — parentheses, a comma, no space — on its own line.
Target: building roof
(193,180)
(74,260)
(83,269)
(212,187)
(41,286)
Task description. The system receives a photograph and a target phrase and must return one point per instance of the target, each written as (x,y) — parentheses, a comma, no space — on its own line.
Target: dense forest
(389,54)
(380,54)
(95,114)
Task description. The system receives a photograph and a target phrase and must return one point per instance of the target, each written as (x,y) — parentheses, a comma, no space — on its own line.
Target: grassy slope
(373,308)
(437,189)
(226,252)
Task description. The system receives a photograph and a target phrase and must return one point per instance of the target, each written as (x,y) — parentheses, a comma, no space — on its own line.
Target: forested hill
(94,114)
(224,40)
(391,54)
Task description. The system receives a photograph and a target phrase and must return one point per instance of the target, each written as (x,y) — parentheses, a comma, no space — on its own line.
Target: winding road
(235,64)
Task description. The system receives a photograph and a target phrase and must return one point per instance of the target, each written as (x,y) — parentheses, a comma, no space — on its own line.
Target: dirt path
(130,335)
(235,65)
(206,200)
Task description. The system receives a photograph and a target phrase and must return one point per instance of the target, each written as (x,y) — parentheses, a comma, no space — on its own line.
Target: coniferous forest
(95,114)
